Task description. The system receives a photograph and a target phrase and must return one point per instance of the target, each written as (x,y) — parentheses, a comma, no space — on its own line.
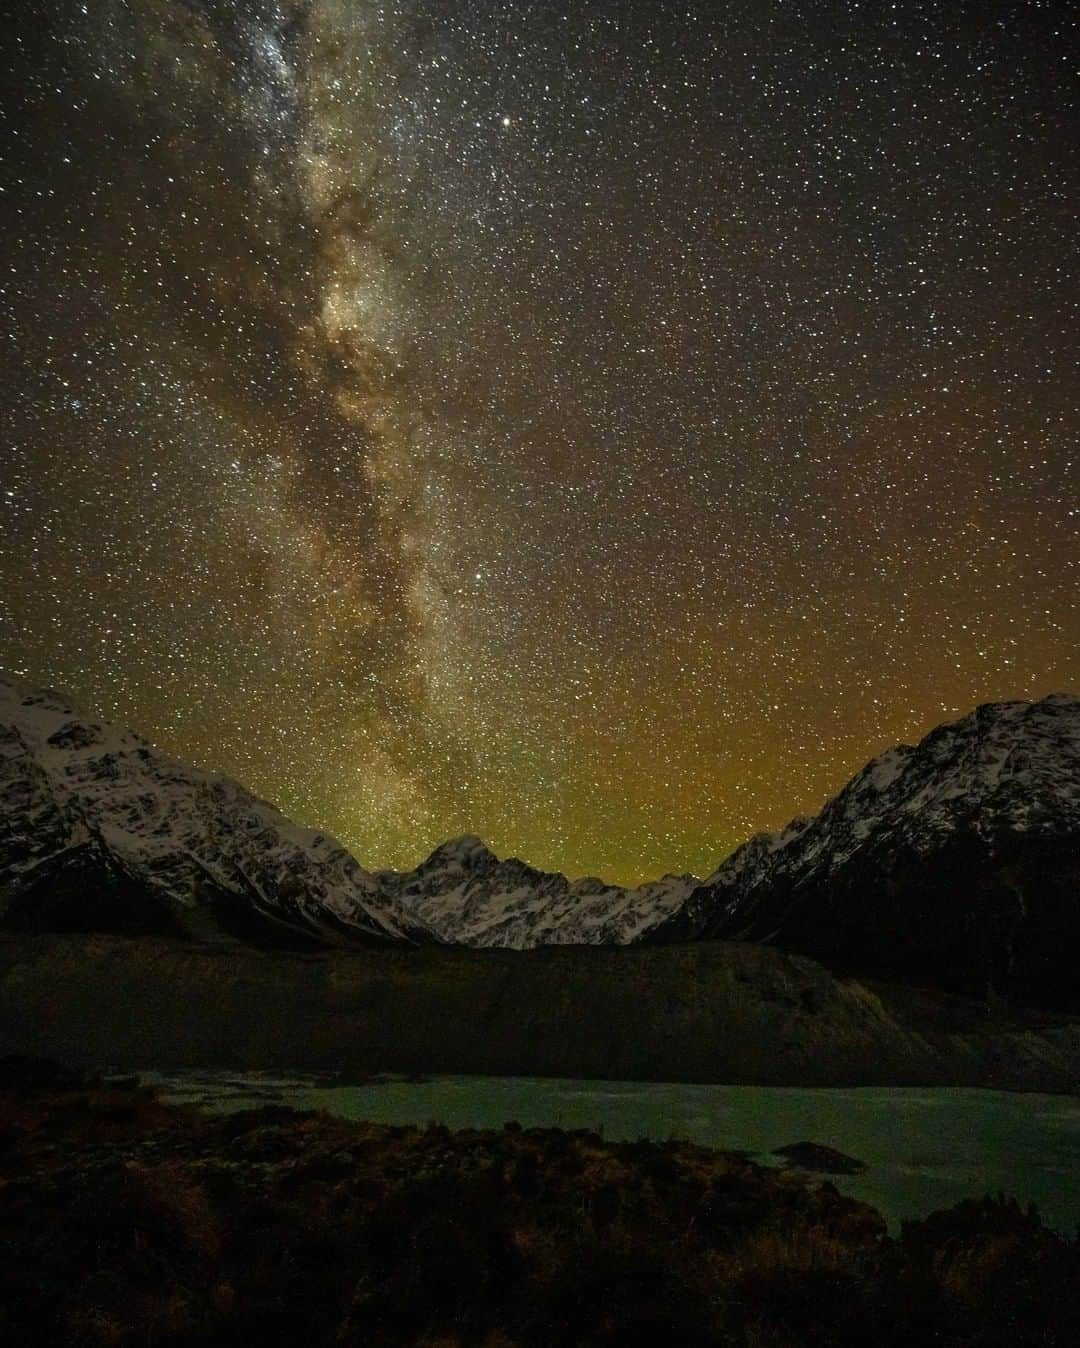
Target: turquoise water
(923,1148)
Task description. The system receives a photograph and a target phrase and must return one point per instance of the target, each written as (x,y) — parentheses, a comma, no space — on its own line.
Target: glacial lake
(923,1148)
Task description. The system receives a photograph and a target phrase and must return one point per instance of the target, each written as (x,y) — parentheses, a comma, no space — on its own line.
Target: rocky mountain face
(957,860)
(101,831)
(467,896)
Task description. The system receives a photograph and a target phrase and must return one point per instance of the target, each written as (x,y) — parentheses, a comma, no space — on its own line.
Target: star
(612,491)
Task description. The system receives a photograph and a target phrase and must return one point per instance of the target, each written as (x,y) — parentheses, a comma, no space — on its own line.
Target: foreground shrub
(151,1226)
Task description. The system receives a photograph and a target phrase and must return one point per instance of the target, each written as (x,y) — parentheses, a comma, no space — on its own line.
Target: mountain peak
(467,851)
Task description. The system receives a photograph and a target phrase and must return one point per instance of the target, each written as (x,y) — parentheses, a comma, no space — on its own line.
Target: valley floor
(707,1012)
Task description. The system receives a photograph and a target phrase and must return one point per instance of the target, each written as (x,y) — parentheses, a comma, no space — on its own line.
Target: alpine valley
(857,945)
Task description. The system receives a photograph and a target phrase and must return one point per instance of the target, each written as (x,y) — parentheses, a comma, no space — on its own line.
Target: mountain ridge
(958,857)
(102,828)
(469,896)
(955,858)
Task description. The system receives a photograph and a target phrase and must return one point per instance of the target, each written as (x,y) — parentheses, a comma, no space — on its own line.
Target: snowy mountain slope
(468,896)
(97,827)
(957,858)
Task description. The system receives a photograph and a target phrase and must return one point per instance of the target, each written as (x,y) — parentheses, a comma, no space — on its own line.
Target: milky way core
(598,429)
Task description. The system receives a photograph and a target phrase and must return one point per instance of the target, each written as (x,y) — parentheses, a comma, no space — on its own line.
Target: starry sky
(598,427)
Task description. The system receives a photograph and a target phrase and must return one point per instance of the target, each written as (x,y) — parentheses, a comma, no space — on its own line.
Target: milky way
(600,430)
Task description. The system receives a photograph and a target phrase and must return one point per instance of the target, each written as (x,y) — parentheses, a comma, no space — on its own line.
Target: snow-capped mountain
(99,828)
(958,858)
(467,896)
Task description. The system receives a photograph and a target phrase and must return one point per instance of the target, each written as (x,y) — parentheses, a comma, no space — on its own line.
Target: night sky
(600,428)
